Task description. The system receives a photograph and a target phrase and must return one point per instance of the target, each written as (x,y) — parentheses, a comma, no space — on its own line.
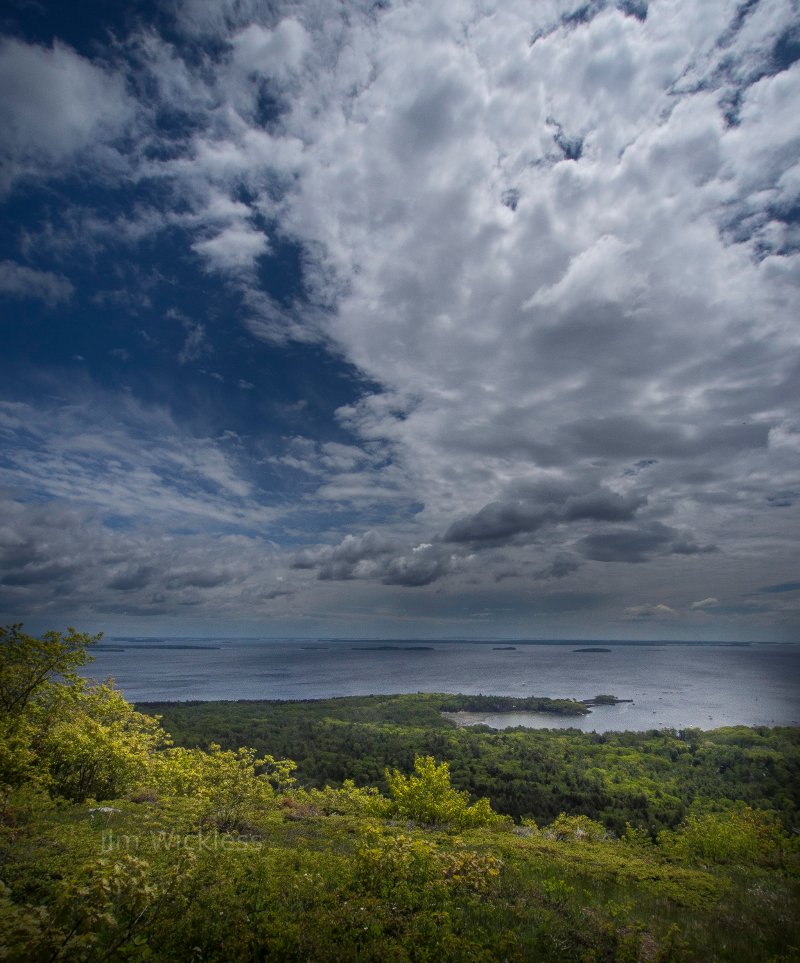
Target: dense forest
(651,780)
(374,829)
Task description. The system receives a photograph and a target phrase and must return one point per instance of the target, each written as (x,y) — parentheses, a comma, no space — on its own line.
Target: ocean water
(672,685)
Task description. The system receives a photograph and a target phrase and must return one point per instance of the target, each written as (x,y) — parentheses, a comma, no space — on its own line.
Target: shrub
(740,835)
(575,828)
(96,744)
(428,797)
(230,784)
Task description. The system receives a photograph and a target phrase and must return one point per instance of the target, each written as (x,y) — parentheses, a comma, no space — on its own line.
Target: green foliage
(576,828)
(217,854)
(488,703)
(232,785)
(349,800)
(739,835)
(94,744)
(428,797)
(104,911)
(649,780)
(29,665)
(81,739)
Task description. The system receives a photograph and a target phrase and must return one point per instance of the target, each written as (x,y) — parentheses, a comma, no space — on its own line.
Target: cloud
(58,562)
(498,522)
(781,588)
(277,54)
(374,557)
(560,568)
(639,544)
(89,452)
(234,249)
(710,602)
(55,104)
(555,247)
(647,612)
(19,281)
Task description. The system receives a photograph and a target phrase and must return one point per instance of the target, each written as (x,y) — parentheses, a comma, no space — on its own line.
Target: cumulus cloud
(55,103)
(277,54)
(234,249)
(372,556)
(502,521)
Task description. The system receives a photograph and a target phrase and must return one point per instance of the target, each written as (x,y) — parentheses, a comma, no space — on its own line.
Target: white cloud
(648,611)
(704,603)
(89,452)
(235,249)
(274,53)
(19,281)
(55,103)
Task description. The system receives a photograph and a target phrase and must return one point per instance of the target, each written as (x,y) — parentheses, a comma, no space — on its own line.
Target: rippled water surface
(671,685)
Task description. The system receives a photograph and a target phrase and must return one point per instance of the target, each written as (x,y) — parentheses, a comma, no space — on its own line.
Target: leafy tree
(80,739)
(230,784)
(428,797)
(95,744)
(29,665)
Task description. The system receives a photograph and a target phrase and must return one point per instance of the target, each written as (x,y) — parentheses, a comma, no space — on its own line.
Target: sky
(464,319)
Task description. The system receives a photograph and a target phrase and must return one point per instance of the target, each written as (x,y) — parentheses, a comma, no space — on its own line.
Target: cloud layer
(557,243)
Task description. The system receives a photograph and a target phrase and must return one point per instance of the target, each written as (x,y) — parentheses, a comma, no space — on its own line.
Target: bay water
(671,685)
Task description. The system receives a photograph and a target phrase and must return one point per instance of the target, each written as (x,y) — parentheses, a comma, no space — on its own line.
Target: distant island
(121,647)
(592,648)
(505,648)
(486,703)
(392,648)
(604,700)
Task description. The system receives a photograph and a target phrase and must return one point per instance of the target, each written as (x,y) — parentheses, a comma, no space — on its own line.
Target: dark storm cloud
(421,566)
(498,522)
(560,568)
(54,559)
(638,544)
(135,579)
(346,560)
(504,521)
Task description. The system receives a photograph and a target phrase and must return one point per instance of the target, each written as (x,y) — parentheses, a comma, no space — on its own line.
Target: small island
(504,648)
(122,646)
(604,700)
(486,703)
(592,648)
(392,648)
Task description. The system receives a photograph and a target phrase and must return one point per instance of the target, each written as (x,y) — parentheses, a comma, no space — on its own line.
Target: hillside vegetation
(393,837)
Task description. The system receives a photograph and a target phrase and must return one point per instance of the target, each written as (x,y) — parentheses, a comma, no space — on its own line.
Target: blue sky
(375,319)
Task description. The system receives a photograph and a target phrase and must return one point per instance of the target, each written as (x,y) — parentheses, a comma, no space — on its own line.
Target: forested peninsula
(372,828)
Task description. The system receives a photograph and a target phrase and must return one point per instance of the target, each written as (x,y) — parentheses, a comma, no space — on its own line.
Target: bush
(231,785)
(428,797)
(96,745)
(575,828)
(740,835)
